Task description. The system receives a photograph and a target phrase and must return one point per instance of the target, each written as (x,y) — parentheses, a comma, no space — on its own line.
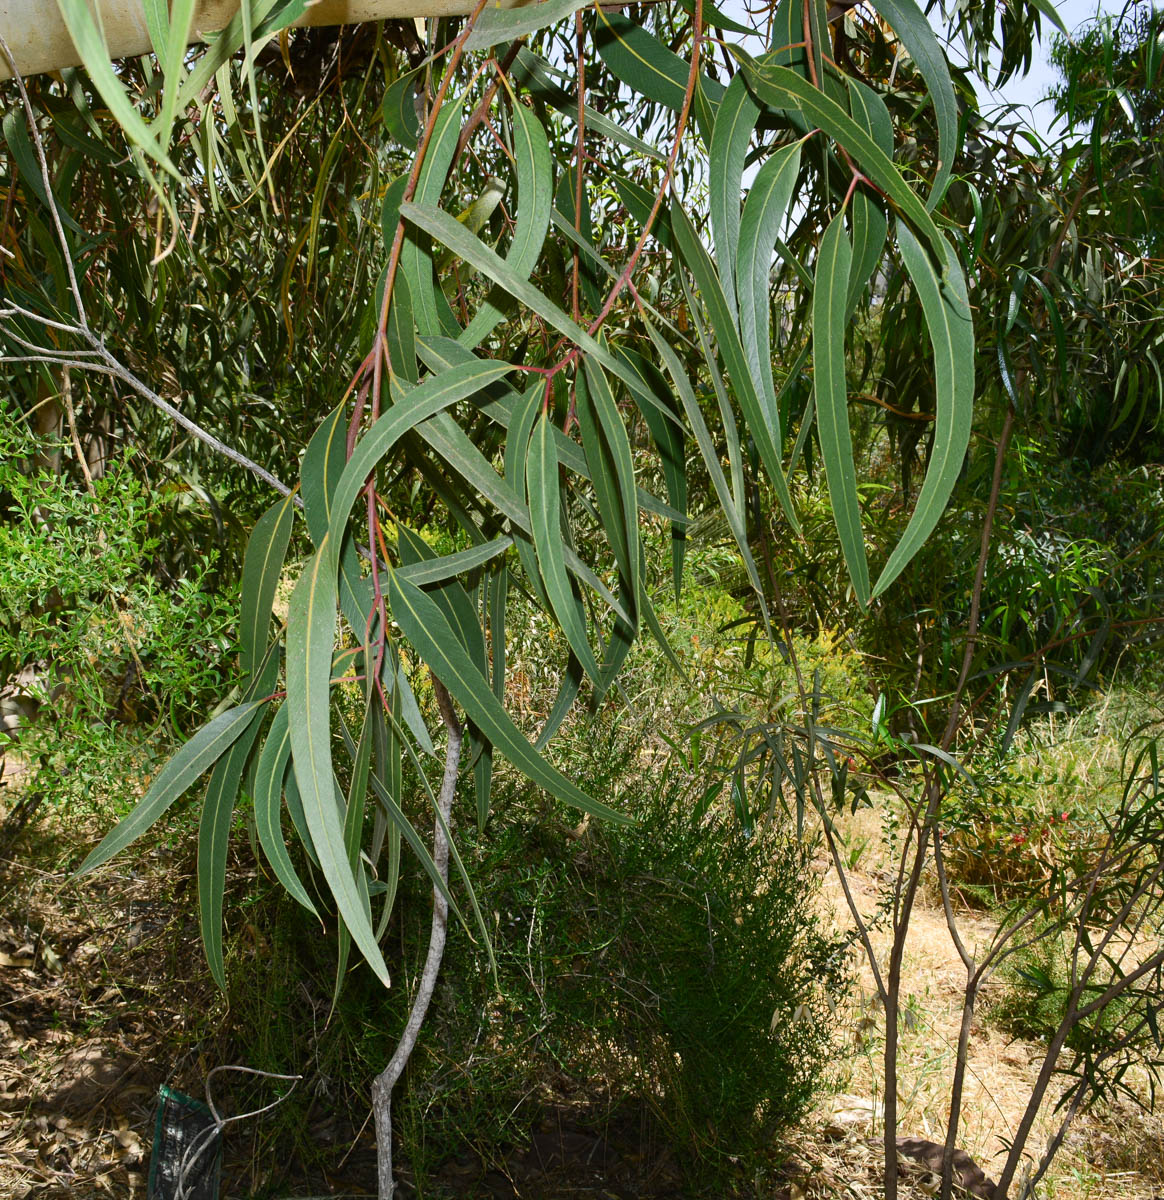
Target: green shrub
(101,651)
(676,967)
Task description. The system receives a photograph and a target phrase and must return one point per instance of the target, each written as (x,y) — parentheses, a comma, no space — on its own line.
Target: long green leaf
(535,73)
(428,631)
(416,259)
(441,353)
(311,637)
(273,761)
(710,456)
(23,155)
(214,839)
(448,566)
(497,24)
(267,17)
(197,756)
(764,212)
(535,196)
(727,335)
(946,308)
(782,88)
(399,107)
(645,64)
(452,234)
(90,44)
(262,566)
(608,452)
(834,262)
(917,35)
(737,117)
(542,481)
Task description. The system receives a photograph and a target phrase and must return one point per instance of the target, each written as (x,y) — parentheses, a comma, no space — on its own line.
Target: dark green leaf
(198,755)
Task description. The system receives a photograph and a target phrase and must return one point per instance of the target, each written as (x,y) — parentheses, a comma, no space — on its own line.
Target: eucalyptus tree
(535,252)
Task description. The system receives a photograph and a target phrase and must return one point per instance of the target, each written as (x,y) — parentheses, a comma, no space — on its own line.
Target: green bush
(676,967)
(100,649)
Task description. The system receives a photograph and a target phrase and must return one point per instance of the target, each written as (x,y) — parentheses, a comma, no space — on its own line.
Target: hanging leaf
(917,35)
(272,770)
(196,757)
(428,631)
(647,66)
(832,399)
(946,308)
(764,212)
(783,88)
(531,149)
(734,123)
(541,476)
(262,566)
(727,336)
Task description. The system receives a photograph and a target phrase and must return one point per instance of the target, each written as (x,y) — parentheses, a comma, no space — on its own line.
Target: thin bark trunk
(390,1076)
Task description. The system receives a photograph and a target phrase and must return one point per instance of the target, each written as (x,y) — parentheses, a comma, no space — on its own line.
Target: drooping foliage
(556,284)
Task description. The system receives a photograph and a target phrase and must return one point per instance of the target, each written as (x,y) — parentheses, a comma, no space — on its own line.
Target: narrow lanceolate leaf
(917,35)
(947,313)
(764,213)
(867,223)
(782,88)
(262,566)
(869,227)
(427,630)
(646,65)
(608,451)
(311,638)
(172,53)
(198,755)
(668,436)
(832,398)
(452,234)
(90,45)
(730,135)
(273,760)
(416,259)
(535,197)
(727,336)
(417,406)
(214,837)
(449,566)
(541,475)
(710,455)
(22,154)
(535,74)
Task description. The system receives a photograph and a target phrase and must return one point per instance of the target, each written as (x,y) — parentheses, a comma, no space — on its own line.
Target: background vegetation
(995,705)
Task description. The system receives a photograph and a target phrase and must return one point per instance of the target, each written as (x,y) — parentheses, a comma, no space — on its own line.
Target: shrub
(677,967)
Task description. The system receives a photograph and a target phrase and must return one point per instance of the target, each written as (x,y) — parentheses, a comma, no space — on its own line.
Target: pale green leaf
(734,122)
(947,314)
(834,262)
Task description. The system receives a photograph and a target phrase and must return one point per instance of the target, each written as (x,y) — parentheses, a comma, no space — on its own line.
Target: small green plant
(96,652)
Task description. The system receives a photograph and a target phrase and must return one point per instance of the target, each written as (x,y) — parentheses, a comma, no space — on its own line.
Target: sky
(1029,90)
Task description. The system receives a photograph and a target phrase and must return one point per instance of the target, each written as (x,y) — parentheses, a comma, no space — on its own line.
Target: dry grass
(1116,1155)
